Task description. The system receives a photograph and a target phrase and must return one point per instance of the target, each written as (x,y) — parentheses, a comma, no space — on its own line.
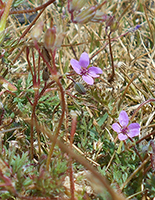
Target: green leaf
(120,147)
(17,2)
(102,120)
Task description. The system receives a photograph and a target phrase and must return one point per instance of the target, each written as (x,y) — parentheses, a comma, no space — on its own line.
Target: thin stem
(143,138)
(33,9)
(28,60)
(36,94)
(139,107)
(72,188)
(73,129)
(112,39)
(134,173)
(44,88)
(125,91)
(39,70)
(85,163)
(112,61)
(38,134)
(18,55)
(33,120)
(2,114)
(30,26)
(136,149)
(31,137)
(59,125)
(34,67)
(44,59)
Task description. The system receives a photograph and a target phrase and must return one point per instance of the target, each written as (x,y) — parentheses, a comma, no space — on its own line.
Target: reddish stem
(73,128)
(33,9)
(44,59)
(112,61)
(139,107)
(34,67)
(28,60)
(63,105)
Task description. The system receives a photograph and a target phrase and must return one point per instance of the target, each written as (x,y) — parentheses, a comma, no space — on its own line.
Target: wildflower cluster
(46,126)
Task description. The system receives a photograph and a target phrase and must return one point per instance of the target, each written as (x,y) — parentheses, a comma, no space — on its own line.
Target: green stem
(4,19)
(5,15)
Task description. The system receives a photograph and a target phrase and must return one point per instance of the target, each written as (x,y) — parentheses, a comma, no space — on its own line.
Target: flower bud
(76,4)
(37,31)
(112,23)
(100,17)
(85,15)
(59,39)
(45,74)
(79,88)
(49,38)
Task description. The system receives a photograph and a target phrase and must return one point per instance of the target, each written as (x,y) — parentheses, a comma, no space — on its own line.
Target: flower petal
(123,118)
(88,79)
(84,60)
(134,130)
(134,126)
(116,127)
(95,70)
(121,136)
(76,66)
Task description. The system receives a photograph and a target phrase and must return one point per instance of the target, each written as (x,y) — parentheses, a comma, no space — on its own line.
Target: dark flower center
(124,130)
(84,71)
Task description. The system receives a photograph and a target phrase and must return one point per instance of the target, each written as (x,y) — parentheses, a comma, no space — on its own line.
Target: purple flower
(123,129)
(135,28)
(81,68)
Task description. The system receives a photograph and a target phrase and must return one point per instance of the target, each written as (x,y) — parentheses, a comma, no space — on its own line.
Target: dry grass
(30,131)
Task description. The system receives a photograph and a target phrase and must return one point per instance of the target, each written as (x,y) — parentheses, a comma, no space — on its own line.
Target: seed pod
(37,31)
(77,4)
(45,74)
(49,37)
(46,54)
(85,15)
(79,88)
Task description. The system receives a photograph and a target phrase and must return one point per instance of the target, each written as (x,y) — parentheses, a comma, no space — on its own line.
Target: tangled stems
(132,117)
(85,163)
(56,79)
(139,107)
(36,84)
(33,9)
(63,105)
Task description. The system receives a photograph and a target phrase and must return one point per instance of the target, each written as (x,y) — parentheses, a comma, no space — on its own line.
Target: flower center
(124,130)
(84,71)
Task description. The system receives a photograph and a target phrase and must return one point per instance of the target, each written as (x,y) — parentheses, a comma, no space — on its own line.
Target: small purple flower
(123,129)
(81,68)
(133,29)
